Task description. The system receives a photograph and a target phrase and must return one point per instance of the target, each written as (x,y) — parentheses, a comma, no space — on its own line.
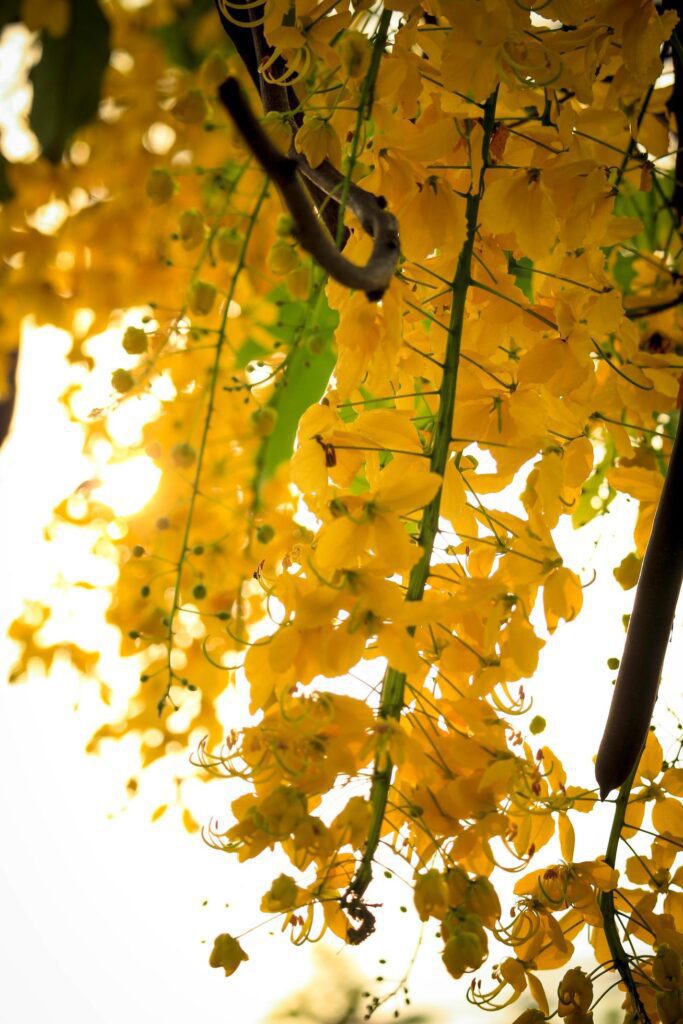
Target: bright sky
(102,911)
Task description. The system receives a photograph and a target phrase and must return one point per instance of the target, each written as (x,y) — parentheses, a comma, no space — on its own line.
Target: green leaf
(67,80)
(305,376)
(522,269)
(301,386)
(623,270)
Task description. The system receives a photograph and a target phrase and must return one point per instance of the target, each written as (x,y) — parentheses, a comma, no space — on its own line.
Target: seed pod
(647,637)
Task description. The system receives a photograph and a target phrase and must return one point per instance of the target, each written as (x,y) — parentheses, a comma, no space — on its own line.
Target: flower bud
(134,341)
(202,298)
(191,229)
(458,883)
(282,895)
(574,993)
(282,258)
(482,899)
(160,186)
(666,967)
(431,895)
(228,245)
(227,953)
(122,381)
(191,108)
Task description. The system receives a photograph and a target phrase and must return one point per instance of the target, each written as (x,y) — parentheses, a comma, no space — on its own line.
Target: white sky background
(101,914)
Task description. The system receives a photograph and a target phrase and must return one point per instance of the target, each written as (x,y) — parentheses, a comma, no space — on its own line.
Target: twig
(394,682)
(606,902)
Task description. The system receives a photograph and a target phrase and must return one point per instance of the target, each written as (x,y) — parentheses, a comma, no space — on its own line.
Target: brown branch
(375,276)
(648,633)
(654,308)
(250,43)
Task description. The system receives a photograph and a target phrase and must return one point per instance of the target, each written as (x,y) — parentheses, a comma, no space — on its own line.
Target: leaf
(303,381)
(67,79)
(522,269)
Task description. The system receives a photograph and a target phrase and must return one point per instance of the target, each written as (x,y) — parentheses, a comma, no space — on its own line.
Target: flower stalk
(393,686)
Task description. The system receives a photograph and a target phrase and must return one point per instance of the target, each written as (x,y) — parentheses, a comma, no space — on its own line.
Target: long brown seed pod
(648,633)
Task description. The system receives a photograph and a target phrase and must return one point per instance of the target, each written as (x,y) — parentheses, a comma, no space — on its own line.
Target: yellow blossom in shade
(318,141)
(530,1016)
(482,899)
(191,229)
(517,204)
(282,895)
(202,298)
(627,572)
(53,17)
(351,824)
(466,943)
(666,967)
(213,71)
(160,186)
(354,49)
(575,993)
(430,894)
(227,953)
(433,219)
(191,108)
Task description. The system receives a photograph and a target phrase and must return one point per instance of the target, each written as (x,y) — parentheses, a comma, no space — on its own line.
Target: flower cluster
(331,500)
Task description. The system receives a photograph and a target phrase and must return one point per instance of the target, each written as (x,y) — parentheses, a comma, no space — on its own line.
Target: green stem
(364,111)
(606,901)
(213,383)
(393,685)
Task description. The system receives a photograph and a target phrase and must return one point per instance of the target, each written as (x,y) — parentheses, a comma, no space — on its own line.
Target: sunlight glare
(127,486)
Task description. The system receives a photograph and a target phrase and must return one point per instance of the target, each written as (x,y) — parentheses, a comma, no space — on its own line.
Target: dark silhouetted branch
(648,634)
(375,276)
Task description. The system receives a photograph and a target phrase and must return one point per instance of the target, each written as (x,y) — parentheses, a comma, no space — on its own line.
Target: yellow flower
(318,141)
(282,895)
(227,953)
(430,894)
(466,943)
(368,528)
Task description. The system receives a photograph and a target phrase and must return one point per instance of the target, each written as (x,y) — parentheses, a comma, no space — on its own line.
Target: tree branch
(375,276)
(648,633)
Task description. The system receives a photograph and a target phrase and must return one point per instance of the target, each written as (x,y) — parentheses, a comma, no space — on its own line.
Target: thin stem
(213,382)
(606,902)
(393,686)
